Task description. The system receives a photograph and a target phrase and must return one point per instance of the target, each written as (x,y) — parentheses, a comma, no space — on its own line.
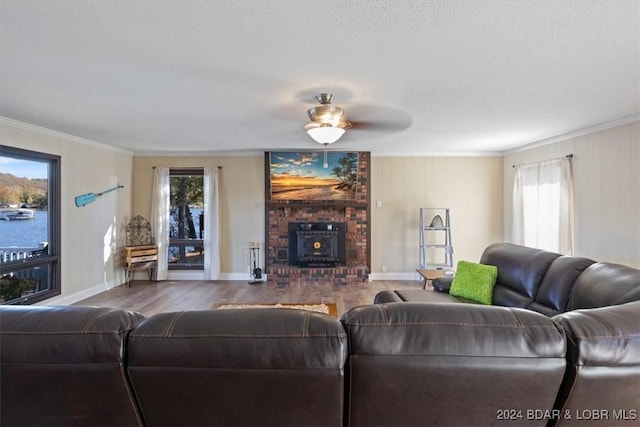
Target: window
(543,206)
(29,226)
(186,219)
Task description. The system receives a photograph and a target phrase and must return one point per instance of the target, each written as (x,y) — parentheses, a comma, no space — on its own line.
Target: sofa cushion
(474,281)
(520,272)
(603,284)
(284,366)
(449,364)
(555,288)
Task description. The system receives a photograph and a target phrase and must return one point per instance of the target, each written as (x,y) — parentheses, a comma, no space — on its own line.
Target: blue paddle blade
(85,199)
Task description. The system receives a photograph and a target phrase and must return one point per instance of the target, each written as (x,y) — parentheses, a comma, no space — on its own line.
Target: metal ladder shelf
(437,246)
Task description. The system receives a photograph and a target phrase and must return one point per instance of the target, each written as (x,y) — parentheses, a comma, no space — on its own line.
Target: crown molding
(444,154)
(199,153)
(576,133)
(61,135)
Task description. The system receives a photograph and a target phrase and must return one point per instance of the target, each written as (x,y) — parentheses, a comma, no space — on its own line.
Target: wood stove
(317,243)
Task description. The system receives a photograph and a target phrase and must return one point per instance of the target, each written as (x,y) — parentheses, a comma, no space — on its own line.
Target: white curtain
(543,206)
(160,209)
(211,224)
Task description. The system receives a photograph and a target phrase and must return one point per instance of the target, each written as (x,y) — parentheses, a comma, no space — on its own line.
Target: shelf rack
(436,249)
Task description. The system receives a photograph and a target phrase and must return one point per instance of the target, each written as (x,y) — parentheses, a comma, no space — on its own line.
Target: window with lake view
(29,225)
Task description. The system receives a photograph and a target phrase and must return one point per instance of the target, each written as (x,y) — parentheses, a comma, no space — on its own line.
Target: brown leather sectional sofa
(442,363)
(597,306)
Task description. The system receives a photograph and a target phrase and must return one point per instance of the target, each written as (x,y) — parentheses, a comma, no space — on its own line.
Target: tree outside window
(186,249)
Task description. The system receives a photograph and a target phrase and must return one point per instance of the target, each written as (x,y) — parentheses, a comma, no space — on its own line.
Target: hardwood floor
(149,297)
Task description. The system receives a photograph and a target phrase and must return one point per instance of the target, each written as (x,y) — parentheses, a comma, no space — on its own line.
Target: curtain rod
(568,156)
(219,167)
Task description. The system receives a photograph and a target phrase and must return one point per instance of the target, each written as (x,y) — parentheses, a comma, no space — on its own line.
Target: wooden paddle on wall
(85,199)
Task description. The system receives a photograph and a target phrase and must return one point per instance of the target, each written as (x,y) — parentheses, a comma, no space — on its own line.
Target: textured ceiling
(416,77)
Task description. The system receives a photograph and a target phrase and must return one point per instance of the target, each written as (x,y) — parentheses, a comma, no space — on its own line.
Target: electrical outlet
(384,268)
(248,269)
(254,245)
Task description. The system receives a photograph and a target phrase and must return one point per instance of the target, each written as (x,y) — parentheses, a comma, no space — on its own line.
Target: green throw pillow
(474,281)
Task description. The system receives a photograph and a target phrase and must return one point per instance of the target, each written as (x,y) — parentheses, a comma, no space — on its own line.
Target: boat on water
(17,214)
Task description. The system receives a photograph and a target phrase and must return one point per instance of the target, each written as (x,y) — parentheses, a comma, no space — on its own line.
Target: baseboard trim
(240,276)
(394,276)
(76,296)
(199,275)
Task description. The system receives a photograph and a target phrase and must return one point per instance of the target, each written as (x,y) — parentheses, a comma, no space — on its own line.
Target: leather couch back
(558,283)
(65,366)
(450,364)
(531,278)
(447,363)
(604,284)
(224,367)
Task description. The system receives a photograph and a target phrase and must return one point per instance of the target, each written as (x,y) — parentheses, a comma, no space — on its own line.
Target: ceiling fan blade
(378,118)
(385,126)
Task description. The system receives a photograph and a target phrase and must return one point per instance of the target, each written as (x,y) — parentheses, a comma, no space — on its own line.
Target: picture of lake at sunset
(301,176)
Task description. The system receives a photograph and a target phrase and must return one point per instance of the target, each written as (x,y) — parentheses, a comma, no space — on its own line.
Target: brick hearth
(354,213)
(285,275)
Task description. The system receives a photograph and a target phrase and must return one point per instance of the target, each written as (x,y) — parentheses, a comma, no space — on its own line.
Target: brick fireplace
(283,216)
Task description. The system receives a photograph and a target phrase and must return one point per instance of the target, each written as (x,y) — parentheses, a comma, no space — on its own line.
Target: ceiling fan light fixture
(327,122)
(325,134)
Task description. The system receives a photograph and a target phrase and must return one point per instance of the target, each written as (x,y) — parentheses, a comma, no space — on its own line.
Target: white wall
(471,187)
(606,172)
(92,237)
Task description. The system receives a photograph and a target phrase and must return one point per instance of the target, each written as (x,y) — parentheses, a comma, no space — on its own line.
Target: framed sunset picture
(302,176)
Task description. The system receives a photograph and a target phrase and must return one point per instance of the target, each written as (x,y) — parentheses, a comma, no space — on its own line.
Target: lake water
(24,233)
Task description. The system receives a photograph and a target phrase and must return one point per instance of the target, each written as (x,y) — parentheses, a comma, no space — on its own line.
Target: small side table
(429,275)
(143,257)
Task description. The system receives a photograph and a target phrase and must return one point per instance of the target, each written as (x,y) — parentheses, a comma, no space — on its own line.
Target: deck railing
(14,253)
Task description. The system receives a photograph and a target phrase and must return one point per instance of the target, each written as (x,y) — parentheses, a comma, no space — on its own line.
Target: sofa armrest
(59,363)
(603,358)
(386,296)
(442,284)
(603,336)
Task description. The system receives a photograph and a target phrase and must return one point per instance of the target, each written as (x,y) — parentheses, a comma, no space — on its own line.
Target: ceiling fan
(327,123)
